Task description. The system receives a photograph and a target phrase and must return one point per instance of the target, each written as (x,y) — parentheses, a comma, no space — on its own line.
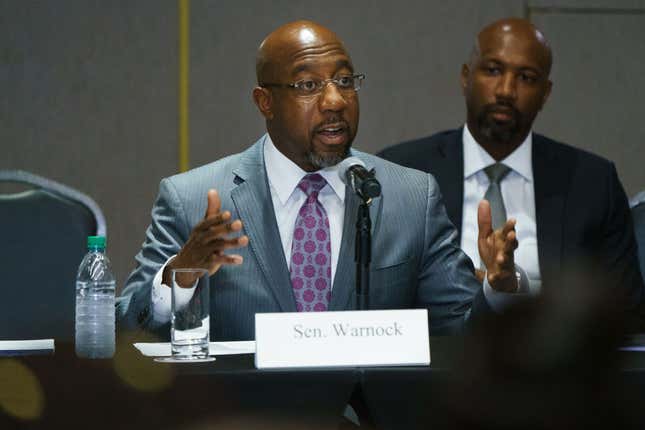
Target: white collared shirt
(519,200)
(284,176)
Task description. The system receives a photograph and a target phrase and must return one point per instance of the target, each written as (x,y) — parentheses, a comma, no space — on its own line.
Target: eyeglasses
(310,87)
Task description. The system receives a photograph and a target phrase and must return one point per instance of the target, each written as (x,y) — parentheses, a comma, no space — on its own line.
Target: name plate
(349,338)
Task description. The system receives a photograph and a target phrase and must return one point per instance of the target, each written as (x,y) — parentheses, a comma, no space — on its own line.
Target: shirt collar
(476,158)
(284,175)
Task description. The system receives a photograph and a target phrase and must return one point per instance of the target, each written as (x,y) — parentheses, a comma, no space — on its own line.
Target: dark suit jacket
(584,224)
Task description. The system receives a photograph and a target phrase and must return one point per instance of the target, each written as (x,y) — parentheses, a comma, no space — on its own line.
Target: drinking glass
(190,318)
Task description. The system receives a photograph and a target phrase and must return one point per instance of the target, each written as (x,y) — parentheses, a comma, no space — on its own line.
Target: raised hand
(496,250)
(206,244)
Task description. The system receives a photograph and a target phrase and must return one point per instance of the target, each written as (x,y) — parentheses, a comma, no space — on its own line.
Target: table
(133,391)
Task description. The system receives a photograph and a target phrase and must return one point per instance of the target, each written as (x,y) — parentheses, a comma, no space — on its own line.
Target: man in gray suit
(282,206)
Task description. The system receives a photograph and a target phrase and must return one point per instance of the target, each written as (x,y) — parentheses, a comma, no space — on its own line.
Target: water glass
(190,320)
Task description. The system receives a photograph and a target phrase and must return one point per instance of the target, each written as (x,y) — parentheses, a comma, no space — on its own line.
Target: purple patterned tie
(311,250)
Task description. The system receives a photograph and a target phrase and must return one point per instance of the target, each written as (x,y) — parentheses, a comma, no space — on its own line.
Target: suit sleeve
(447,285)
(165,236)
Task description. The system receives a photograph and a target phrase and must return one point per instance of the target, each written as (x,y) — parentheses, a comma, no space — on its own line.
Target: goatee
(498,131)
(321,161)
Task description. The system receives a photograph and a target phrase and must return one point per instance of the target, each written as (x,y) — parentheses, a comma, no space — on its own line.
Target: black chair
(43,233)
(637,203)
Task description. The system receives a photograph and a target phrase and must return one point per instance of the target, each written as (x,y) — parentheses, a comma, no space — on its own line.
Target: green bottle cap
(96,241)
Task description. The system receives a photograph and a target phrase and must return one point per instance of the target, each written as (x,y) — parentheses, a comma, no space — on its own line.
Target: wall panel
(599,86)
(89,99)
(411,52)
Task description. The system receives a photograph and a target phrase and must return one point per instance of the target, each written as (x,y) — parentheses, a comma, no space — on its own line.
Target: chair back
(637,203)
(43,231)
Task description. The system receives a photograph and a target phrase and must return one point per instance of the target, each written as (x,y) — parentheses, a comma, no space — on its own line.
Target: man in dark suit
(283,210)
(573,220)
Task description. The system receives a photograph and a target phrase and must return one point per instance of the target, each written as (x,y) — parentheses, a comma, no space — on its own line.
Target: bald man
(275,225)
(573,223)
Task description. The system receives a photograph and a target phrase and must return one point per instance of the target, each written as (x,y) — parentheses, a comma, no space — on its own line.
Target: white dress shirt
(519,200)
(284,176)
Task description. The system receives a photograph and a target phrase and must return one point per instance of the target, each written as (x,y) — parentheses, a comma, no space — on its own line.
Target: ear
(264,101)
(465,75)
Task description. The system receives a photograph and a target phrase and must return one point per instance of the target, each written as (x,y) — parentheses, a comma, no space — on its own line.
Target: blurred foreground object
(548,363)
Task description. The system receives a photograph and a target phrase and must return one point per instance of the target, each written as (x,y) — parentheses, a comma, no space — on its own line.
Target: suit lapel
(550,178)
(451,177)
(253,202)
(344,285)
(345,278)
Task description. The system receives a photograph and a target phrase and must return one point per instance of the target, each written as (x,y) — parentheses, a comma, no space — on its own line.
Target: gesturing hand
(205,247)
(496,249)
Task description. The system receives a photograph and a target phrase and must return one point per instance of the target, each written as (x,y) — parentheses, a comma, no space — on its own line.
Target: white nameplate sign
(350,338)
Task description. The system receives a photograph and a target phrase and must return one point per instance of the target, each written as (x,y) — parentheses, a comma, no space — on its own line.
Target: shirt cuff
(499,301)
(161,296)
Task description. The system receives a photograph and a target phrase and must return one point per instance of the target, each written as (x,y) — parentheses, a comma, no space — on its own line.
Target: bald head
(519,32)
(286,42)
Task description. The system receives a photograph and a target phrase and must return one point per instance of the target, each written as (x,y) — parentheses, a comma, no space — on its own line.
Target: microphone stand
(363,254)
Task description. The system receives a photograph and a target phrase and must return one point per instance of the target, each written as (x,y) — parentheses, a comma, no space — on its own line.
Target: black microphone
(353,173)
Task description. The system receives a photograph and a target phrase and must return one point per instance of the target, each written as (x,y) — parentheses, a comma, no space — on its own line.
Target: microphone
(353,173)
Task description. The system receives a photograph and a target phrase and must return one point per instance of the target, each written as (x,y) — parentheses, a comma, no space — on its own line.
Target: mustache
(502,108)
(335,120)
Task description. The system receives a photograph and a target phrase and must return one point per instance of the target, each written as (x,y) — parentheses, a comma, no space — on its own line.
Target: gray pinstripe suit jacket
(416,260)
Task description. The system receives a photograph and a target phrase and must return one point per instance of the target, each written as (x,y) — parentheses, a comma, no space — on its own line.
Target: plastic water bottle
(95,287)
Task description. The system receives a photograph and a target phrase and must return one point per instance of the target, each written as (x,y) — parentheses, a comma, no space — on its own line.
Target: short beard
(321,161)
(496,132)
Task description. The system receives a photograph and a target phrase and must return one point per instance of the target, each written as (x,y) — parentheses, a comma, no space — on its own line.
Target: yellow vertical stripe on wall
(184,70)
